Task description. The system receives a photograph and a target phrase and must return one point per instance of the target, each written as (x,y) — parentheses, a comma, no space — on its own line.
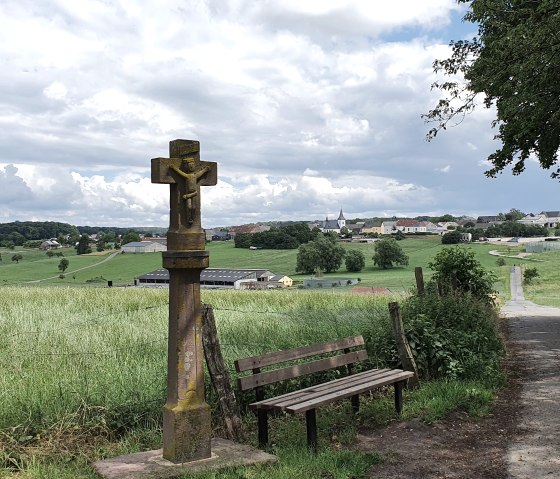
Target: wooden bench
(343,352)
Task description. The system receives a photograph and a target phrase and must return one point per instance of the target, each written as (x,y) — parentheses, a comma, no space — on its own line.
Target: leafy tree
(355,261)
(529,275)
(63,265)
(130,237)
(322,253)
(458,264)
(32,244)
(387,252)
(17,257)
(453,237)
(299,231)
(50,253)
(308,258)
(514,215)
(242,240)
(514,62)
(274,239)
(399,235)
(501,261)
(83,245)
(447,218)
(513,228)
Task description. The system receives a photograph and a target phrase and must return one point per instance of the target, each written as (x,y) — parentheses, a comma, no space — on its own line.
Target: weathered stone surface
(186,417)
(151,465)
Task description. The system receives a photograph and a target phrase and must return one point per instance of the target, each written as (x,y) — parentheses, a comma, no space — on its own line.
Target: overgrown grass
(544,289)
(84,376)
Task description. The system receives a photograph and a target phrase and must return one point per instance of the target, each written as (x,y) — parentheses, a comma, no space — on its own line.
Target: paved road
(536,453)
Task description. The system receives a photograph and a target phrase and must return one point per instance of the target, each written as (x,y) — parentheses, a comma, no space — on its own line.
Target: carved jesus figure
(191,176)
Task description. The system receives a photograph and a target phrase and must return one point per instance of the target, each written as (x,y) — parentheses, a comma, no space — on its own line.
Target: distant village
(360,231)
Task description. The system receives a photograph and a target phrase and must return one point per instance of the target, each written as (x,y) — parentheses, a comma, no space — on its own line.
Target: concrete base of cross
(152,465)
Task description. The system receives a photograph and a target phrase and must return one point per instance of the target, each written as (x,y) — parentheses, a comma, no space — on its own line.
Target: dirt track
(520,439)
(536,331)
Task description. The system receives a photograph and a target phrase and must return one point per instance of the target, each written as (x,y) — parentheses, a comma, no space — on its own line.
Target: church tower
(341,220)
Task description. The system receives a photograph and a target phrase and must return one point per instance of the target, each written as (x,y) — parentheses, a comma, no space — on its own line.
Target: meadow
(84,368)
(122,269)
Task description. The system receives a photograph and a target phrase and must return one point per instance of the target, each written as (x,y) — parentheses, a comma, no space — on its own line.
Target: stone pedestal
(152,465)
(186,415)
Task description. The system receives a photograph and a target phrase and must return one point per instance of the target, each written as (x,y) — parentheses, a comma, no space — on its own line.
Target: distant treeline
(148,231)
(507,228)
(18,232)
(285,237)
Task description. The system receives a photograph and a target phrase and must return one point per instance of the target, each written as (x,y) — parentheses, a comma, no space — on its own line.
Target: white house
(389,227)
(548,219)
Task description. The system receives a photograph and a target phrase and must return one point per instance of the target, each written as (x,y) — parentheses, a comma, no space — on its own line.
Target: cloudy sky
(307,106)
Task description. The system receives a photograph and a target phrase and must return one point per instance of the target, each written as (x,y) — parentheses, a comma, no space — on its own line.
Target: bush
(453,336)
(453,237)
(501,262)
(355,261)
(529,275)
(458,265)
(387,252)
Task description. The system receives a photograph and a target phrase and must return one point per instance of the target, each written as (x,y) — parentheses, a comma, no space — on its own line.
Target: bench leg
(398,396)
(262,416)
(311,422)
(355,403)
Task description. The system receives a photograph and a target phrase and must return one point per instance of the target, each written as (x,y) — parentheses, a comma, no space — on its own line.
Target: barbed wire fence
(305,322)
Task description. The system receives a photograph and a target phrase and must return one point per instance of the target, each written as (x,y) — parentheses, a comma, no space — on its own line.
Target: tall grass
(103,351)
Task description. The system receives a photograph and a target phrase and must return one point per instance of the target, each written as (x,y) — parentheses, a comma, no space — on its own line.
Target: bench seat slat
(269,377)
(328,389)
(317,387)
(321,387)
(276,357)
(327,398)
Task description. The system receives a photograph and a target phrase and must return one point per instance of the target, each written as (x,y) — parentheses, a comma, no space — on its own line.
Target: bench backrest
(343,358)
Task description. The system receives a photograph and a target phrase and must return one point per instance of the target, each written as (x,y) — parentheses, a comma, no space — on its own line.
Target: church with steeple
(333,225)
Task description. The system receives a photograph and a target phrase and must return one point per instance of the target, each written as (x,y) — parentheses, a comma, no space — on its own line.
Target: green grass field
(544,289)
(123,268)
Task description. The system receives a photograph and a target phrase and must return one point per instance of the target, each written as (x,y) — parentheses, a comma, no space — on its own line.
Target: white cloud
(91,90)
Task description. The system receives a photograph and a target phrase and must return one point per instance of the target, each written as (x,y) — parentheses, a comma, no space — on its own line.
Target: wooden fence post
(419,280)
(405,353)
(219,375)
(454,280)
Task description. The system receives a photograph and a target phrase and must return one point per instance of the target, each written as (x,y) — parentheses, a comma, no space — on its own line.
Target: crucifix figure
(186,417)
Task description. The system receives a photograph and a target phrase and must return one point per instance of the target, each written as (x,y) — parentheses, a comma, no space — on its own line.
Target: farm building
(212,278)
(50,244)
(143,247)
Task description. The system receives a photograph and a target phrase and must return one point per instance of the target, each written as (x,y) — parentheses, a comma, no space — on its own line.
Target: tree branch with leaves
(513,63)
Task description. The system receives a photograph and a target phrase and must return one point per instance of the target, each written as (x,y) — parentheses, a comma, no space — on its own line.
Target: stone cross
(186,415)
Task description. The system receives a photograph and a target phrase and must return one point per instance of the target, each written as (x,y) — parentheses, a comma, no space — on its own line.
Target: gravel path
(535,453)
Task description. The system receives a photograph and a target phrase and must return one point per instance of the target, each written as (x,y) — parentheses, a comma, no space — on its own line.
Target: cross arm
(162,169)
